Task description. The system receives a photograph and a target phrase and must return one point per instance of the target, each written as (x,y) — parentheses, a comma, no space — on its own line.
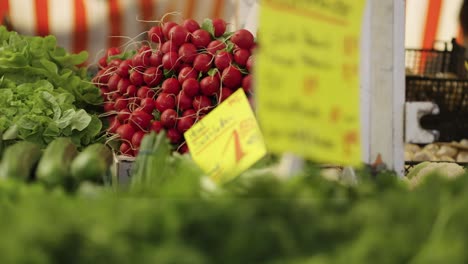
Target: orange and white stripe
(95,25)
(431,20)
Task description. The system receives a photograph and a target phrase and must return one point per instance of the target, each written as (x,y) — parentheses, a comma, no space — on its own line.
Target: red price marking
(350,138)
(310,85)
(335,115)
(237,146)
(349,71)
(350,45)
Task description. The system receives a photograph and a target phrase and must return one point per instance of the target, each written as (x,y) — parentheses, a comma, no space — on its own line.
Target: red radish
(210,85)
(108,107)
(223,60)
(219,27)
(153,76)
(170,86)
(174,136)
(146,57)
(166,27)
(123,68)
(123,85)
(114,96)
(114,124)
(156,59)
(185,123)
(241,56)
(126,149)
(187,73)
(104,93)
(155,34)
(131,90)
(137,62)
(187,52)
(215,46)
(183,101)
(121,104)
(189,112)
(113,82)
(147,105)
(145,92)
(179,35)
(201,103)
(103,62)
(136,78)
(253,48)
(169,46)
(136,139)
(183,66)
(224,94)
(231,77)
(183,149)
(112,51)
(123,115)
(190,25)
(156,126)
(125,132)
(203,62)
(144,48)
(114,63)
(102,77)
(250,63)
(191,87)
(169,118)
(201,38)
(140,120)
(243,38)
(165,101)
(170,60)
(247,83)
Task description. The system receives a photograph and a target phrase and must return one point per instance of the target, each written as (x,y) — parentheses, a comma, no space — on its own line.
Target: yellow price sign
(228,140)
(307,78)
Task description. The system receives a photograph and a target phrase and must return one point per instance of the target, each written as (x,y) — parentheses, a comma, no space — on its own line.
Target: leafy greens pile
(254,219)
(44,92)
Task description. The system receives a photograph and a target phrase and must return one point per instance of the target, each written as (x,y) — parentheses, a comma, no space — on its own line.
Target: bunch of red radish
(173,80)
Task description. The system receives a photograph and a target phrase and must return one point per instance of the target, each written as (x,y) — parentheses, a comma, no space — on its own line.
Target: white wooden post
(383,82)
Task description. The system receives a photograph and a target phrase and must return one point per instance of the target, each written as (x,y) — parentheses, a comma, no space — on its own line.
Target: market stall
(293,136)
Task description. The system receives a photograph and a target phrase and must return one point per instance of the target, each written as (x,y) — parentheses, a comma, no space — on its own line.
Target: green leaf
(49,66)
(66,119)
(168,73)
(80,120)
(230,47)
(11,133)
(212,72)
(208,26)
(53,104)
(122,56)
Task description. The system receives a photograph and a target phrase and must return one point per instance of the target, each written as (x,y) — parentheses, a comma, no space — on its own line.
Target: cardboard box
(122,169)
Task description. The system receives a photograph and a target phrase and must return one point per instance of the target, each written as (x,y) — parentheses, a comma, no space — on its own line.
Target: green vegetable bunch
(43,92)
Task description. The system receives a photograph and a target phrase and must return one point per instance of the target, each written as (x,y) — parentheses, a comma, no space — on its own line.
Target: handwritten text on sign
(228,140)
(308,86)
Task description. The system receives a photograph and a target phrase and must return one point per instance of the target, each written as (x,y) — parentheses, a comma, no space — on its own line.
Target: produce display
(173,79)
(58,202)
(452,152)
(175,216)
(60,165)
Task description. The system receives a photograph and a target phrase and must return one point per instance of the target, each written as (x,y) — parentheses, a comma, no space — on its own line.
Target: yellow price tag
(228,140)
(307,78)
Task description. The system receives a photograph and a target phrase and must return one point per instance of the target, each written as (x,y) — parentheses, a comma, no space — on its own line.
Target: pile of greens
(44,93)
(175,218)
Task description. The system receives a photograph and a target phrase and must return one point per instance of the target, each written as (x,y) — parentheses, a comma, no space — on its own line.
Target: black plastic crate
(433,62)
(451,95)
